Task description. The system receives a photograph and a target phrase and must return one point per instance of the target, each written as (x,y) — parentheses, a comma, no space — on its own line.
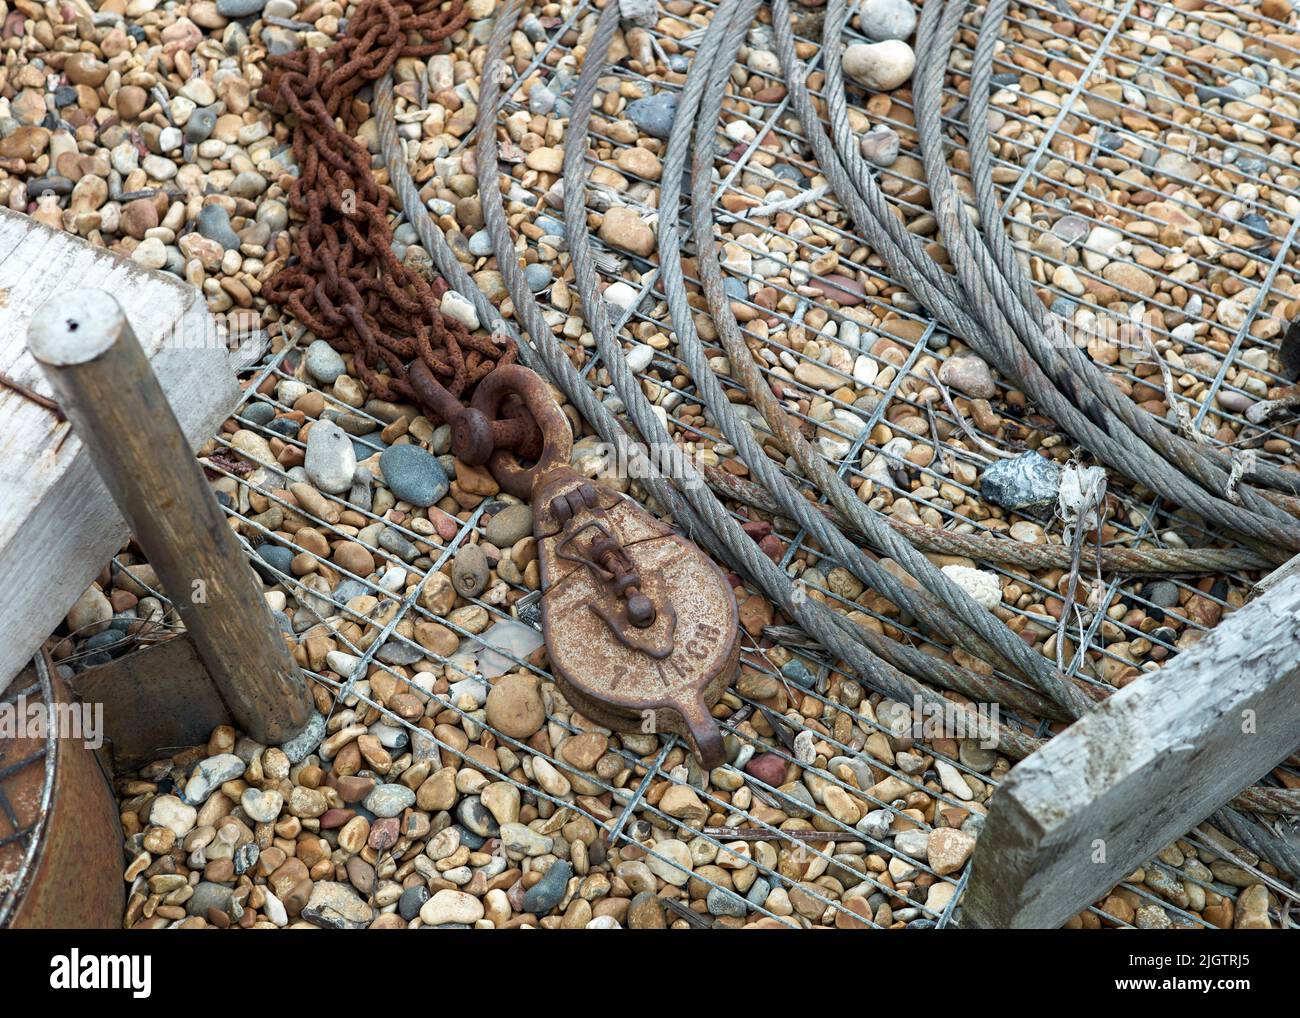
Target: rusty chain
(346,285)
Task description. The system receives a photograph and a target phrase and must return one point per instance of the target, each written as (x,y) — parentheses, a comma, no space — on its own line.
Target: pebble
(538,277)
(646,912)
(982,586)
(886,19)
(514,706)
(880,66)
(622,228)
(510,525)
(262,805)
(880,146)
(337,907)
(239,8)
(210,774)
(413,474)
(178,817)
(671,862)
(970,375)
(469,571)
(548,892)
(330,461)
(654,115)
(948,848)
(723,902)
(411,901)
(323,362)
(389,800)
(1025,483)
(620,294)
(460,309)
(448,906)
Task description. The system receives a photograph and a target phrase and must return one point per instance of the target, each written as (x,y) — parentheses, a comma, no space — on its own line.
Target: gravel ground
(1165,197)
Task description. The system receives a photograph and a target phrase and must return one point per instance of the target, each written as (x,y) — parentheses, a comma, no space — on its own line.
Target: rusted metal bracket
(60,819)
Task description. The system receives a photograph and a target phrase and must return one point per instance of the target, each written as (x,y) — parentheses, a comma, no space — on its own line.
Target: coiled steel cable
(1073,407)
(990,333)
(1114,558)
(951,603)
(1073,374)
(1059,400)
(1005,262)
(833,631)
(823,623)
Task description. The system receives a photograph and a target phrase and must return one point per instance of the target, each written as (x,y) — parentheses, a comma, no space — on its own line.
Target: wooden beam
(1075,818)
(58,525)
(102,378)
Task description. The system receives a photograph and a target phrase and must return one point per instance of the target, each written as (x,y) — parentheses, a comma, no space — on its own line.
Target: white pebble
(457,307)
(880,66)
(620,294)
(982,586)
(639,357)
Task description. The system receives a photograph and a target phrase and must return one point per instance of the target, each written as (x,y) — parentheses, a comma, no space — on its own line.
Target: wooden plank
(58,525)
(1074,819)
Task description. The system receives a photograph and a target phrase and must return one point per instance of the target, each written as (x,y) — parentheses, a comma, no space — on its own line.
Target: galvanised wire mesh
(1048,172)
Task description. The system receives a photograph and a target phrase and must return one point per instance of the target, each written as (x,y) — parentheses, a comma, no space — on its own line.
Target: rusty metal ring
(557,440)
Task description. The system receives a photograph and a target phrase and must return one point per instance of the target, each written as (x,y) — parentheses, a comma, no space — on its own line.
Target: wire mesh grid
(828,857)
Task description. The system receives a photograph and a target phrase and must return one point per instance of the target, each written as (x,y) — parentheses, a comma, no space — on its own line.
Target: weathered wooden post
(104,384)
(1076,817)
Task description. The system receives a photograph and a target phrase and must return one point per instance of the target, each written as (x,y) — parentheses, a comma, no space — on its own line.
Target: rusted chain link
(346,285)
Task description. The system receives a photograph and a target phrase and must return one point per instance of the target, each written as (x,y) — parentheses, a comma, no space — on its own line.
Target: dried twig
(1182,416)
(966,429)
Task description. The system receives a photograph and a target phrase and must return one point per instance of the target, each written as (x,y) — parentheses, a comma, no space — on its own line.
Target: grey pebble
(538,277)
(475,817)
(201,124)
(239,8)
(510,525)
(548,892)
(654,116)
(214,223)
(1028,482)
(323,362)
(413,475)
(469,571)
(720,901)
(389,800)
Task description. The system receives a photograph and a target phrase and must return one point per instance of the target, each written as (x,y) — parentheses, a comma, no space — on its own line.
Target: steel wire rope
(1043,333)
(993,336)
(831,630)
(965,612)
(1005,262)
(819,620)
(777,586)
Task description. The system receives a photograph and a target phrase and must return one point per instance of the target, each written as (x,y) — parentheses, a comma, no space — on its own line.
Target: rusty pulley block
(641,626)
